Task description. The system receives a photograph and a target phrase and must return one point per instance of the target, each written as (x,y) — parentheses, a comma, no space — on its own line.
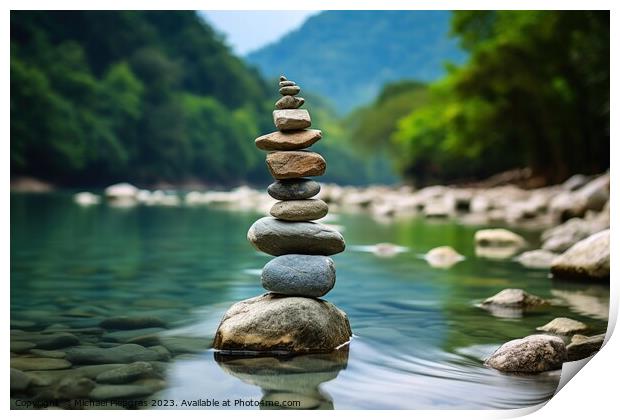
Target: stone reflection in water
(592,300)
(294,379)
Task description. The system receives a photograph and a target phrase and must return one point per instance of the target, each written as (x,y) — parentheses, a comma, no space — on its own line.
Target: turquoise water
(419,339)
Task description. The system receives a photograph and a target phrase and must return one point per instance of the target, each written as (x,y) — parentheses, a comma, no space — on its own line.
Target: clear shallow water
(419,338)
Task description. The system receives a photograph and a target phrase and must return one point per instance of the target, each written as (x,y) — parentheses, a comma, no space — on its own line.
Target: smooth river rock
(290,102)
(443,257)
(532,354)
(294,189)
(498,238)
(277,237)
(39,363)
(126,374)
(295,164)
(582,346)
(588,258)
(131,322)
(515,298)
(274,323)
(563,326)
(290,90)
(539,259)
(288,140)
(299,210)
(291,119)
(125,353)
(299,275)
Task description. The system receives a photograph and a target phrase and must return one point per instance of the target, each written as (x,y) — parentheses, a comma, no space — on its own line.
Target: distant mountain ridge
(347,56)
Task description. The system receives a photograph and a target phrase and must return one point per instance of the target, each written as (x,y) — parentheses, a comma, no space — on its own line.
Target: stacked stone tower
(290,318)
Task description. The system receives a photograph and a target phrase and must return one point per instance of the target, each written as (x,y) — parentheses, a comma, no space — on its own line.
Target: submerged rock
(274,323)
(538,258)
(582,346)
(563,326)
(19,380)
(532,354)
(277,237)
(125,374)
(131,322)
(39,363)
(588,258)
(299,275)
(125,353)
(443,257)
(515,298)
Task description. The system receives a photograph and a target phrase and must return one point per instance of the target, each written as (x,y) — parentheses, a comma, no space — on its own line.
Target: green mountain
(348,56)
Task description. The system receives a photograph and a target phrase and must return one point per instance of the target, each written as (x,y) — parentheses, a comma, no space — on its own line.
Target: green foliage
(535,92)
(98,97)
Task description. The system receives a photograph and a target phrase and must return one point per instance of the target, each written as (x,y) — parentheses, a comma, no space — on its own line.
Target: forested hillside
(347,55)
(139,96)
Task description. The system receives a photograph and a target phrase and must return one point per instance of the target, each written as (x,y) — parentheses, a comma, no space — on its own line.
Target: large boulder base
(588,258)
(273,323)
(532,354)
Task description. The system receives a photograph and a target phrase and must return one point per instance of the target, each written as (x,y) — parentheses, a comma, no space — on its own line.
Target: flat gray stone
(49,341)
(109,392)
(286,83)
(21,346)
(288,140)
(290,102)
(514,298)
(277,237)
(291,119)
(54,354)
(125,353)
(299,210)
(299,275)
(294,189)
(532,354)
(539,259)
(275,323)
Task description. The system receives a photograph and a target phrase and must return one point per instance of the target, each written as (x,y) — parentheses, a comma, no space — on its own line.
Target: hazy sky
(247,30)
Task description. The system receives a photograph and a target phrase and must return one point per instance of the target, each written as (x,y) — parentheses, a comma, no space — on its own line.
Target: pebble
(299,210)
(127,373)
(55,354)
(294,189)
(291,119)
(539,259)
(289,90)
(299,164)
(498,238)
(125,353)
(288,140)
(39,363)
(443,257)
(286,83)
(50,341)
(109,392)
(146,335)
(19,380)
(276,237)
(21,346)
(290,102)
(131,322)
(299,275)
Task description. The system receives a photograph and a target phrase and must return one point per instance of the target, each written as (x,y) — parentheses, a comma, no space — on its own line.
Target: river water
(419,338)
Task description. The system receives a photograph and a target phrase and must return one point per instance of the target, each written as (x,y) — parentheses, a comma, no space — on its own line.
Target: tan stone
(288,140)
(299,210)
(291,119)
(299,164)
